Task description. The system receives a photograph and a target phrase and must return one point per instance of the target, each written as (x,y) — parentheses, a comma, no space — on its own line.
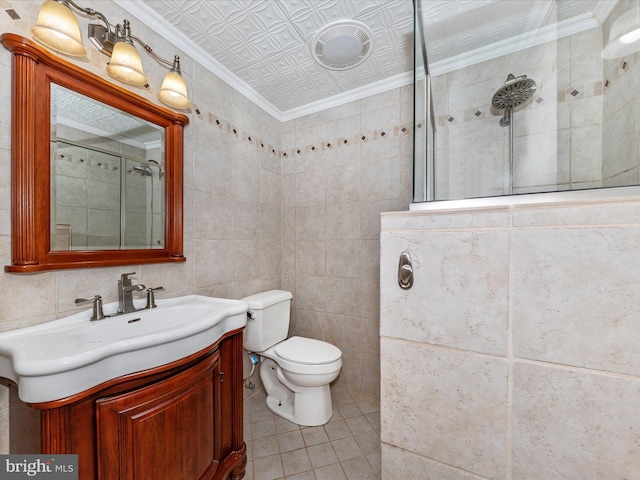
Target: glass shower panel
(424,127)
(576,127)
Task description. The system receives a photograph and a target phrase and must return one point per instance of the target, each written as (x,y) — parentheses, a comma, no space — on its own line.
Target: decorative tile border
(571,93)
(347,141)
(321,146)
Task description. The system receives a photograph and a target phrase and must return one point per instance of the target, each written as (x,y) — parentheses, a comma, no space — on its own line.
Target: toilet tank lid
(307,351)
(266,299)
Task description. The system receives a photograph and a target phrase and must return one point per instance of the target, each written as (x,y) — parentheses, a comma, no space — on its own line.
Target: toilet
(295,372)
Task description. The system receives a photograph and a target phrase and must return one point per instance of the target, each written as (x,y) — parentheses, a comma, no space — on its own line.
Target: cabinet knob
(221,374)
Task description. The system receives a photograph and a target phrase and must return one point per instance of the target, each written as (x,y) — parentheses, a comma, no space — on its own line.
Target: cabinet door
(167,430)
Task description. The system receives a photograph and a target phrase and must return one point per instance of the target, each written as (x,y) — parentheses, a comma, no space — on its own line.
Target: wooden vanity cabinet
(180,421)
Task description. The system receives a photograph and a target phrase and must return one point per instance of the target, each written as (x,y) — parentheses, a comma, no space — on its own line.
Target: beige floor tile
(267,468)
(330,472)
(314,436)
(322,455)
(358,469)
(264,447)
(296,461)
(359,425)
(337,430)
(346,449)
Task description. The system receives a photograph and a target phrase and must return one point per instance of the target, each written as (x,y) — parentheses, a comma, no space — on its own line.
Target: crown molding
(603,9)
(400,80)
(154,21)
(564,28)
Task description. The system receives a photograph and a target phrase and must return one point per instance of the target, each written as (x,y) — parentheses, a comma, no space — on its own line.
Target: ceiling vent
(342,45)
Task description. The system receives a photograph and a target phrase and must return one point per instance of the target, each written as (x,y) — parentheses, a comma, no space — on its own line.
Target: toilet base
(305,406)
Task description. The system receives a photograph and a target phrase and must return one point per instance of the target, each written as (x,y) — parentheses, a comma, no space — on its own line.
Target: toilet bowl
(295,372)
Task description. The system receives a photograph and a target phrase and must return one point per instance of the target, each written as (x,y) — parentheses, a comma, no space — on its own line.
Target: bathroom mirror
(97,171)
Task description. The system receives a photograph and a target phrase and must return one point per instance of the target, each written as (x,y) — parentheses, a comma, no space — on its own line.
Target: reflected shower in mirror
(107,189)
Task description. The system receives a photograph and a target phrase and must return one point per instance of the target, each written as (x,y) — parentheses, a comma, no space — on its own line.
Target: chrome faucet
(125,293)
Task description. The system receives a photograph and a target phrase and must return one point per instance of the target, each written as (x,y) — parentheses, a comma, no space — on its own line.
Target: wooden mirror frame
(33,70)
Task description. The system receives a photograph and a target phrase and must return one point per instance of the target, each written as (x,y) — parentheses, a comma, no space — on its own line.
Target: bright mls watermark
(50,467)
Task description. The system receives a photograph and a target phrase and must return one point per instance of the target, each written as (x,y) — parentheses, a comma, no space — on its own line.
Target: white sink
(64,357)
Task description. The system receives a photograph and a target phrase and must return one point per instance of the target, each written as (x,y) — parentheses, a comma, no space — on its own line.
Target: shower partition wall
(577,130)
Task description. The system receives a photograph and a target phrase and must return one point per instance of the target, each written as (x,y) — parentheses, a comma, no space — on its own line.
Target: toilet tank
(268,321)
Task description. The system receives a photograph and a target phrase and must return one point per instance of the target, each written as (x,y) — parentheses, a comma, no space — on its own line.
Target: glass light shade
(57,28)
(174,91)
(126,65)
(623,37)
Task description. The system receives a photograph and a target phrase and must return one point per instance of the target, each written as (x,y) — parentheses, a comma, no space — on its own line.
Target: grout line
(510,356)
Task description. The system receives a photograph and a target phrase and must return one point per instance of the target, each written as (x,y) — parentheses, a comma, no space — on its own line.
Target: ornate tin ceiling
(263,47)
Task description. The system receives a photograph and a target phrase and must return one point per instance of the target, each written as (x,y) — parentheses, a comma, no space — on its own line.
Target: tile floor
(346,448)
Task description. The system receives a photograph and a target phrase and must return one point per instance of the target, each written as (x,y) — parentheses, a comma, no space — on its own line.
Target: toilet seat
(306,356)
(307,351)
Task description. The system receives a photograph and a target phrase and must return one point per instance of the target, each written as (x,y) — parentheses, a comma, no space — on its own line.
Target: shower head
(161,171)
(514,92)
(145,170)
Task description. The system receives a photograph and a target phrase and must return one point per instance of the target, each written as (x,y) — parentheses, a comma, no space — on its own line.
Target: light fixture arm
(159,59)
(88,11)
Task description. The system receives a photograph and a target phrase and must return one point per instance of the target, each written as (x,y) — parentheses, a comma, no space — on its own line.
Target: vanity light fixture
(624,36)
(58,28)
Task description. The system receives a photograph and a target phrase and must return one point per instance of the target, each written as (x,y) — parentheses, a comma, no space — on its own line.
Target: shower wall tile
(586,68)
(569,424)
(618,154)
(473,435)
(586,154)
(587,112)
(449,266)
(538,162)
(599,266)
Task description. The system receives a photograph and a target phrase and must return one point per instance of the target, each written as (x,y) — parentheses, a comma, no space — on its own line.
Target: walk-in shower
(577,126)
(516,91)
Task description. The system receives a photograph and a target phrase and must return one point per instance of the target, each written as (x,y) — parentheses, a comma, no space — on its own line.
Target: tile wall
(340,169)
(514,356)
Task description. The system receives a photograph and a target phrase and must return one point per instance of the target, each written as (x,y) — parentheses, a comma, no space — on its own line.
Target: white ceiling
(263,47)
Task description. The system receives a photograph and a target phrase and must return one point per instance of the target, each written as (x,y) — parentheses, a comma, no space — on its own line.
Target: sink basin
(67,356)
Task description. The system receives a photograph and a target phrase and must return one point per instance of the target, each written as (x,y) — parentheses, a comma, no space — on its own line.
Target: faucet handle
(97,313)
(124,278)
(151,298)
